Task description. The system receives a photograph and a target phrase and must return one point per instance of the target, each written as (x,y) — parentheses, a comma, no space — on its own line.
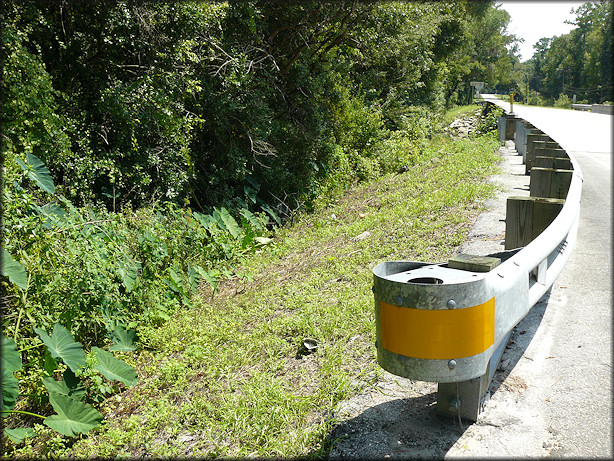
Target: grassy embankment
(227,378)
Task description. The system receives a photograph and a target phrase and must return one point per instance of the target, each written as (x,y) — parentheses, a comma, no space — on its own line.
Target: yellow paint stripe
(437,334)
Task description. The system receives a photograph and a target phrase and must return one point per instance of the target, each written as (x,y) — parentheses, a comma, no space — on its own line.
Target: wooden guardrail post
(521,140)
(527,217)
(550,183)
(510,127)
(473,263)
(549,152)
(535,141)
(557,163)
(467,398)
(501,129)
(545,210)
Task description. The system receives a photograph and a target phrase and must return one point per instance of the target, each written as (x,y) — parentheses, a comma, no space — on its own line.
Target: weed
(218,311)
(227,379)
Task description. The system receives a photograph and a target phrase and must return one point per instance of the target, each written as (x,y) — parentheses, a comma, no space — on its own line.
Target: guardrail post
(466,399)
(545,210)
(549,151)
(534,141)
(523,128)
(550,183)
(506,127)
(557,163)
(501,122)
(521,138)
(527,217)
(510,127)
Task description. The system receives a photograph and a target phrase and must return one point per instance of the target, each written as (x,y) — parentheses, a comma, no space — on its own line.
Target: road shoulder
(396,418)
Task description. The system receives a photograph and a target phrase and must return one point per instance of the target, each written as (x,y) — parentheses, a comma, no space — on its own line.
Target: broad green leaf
(70,386)
(249,216)
(63,346)
(205,220)
(175,283)
(10,389)
(114,369)
(54,214)
(123,340)
(69,206)
(226,221)
(251,193)
(129,272)
(263,240)
(248,238)
(11,362)
(172,285)
(208,276)
(174,276)
(21,164)
(193,278)
(19,434)
(272,213)
(255,184)
(11,358)
(14,270)
(74,417)
(53,210)
(50,364)
(39,173)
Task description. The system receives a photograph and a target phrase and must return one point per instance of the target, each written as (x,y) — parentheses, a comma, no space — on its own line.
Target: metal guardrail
(450,325)
(581,106)
(595,108)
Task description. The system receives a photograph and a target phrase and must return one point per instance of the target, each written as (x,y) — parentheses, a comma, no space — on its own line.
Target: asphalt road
(574,348)
(552,394)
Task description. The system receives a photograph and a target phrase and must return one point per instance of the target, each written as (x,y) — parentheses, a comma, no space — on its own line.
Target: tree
(579,62)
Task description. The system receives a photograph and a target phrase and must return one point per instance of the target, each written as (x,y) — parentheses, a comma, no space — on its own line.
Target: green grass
(226,378)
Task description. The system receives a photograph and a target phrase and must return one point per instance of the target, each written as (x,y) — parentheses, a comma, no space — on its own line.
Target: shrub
(563,102)
(489,119)
(105,277)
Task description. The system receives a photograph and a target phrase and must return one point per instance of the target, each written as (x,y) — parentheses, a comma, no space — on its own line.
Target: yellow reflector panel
(437,334)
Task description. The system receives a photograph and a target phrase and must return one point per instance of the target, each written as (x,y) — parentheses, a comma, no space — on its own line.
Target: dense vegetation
(578,63)
(149,148)
(230,376)
(213,104)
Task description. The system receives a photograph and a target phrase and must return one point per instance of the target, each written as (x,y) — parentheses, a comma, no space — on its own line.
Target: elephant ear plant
(67,396)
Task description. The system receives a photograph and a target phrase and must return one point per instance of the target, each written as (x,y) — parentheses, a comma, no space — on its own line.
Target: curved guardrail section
(450,322)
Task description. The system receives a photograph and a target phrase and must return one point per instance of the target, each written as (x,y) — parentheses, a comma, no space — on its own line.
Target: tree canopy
(578,63)
(200,103)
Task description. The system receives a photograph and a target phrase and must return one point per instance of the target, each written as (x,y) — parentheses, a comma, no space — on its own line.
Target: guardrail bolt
(452,364)
(451,304)
(399,300)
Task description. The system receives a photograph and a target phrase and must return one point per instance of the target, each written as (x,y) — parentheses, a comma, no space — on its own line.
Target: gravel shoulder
(396,418)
